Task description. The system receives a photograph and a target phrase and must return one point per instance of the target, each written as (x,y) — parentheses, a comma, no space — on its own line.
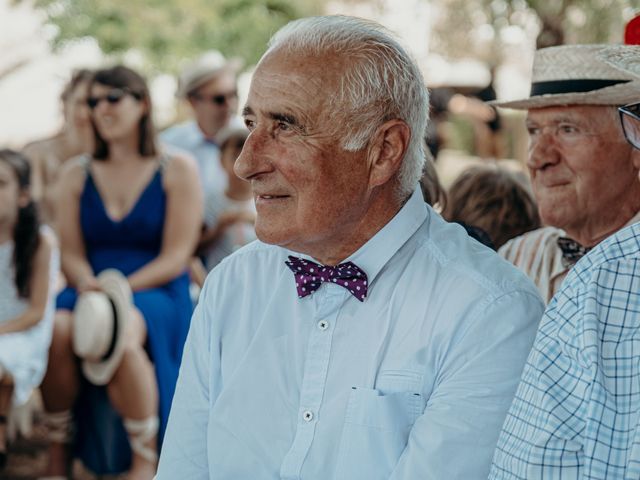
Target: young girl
(28,268)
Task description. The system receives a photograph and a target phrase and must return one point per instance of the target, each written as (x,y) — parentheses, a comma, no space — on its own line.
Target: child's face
(11,197)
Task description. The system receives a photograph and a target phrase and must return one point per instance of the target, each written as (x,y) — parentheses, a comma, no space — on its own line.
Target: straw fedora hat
(575,75)
(100,319)
(625,58)
(203,69)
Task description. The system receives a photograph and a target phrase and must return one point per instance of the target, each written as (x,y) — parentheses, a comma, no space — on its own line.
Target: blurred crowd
(107,205)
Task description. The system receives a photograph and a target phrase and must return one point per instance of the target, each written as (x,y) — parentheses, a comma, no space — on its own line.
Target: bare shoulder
(39,150)
(73,173)
(180,169)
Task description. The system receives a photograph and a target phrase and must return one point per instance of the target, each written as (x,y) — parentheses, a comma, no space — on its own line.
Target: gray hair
(381,83)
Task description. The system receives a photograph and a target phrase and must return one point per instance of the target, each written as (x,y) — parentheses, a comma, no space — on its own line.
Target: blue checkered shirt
(576,413)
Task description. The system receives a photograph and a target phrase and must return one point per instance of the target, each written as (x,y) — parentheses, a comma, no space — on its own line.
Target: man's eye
(533,130)
(250,124)
(284,126)
(568,128)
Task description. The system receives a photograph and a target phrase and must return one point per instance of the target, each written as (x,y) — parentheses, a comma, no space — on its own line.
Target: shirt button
(323,324)
(307,415)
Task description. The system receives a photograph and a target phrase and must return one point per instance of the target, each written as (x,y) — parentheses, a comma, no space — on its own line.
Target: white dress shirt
(412,383)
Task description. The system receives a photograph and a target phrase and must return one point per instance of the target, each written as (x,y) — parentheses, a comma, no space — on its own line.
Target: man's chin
(272,237)
(557,218)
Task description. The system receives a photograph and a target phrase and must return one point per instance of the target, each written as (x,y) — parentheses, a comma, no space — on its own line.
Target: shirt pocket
(375,432)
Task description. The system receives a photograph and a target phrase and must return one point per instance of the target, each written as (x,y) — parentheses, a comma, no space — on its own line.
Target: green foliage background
(165,32)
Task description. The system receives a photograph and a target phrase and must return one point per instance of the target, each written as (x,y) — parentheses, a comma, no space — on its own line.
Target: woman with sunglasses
(132,208)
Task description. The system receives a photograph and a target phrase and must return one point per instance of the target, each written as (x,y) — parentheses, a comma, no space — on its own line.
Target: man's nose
(543,150)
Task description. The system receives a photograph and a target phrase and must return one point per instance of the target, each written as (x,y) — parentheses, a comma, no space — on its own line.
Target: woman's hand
(87,284)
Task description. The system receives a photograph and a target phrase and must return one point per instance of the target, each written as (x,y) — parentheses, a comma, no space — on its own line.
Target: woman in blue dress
(131,208)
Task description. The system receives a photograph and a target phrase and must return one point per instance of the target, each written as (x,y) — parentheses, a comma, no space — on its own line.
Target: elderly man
(582,170)
(209,85)
(363,337)
(576,414)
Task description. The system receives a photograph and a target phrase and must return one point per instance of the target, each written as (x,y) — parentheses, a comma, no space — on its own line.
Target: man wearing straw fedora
(362,337)
(209,84)
(582,169)
(576,414)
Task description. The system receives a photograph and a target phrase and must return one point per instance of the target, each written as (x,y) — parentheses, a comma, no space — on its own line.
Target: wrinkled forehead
(309,80)
(583,114)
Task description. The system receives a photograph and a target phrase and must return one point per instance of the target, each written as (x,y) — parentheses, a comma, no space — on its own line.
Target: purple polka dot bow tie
(310,275)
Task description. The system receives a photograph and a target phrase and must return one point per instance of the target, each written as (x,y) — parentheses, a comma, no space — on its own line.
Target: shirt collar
(196,137)
(559,266)
(379,249)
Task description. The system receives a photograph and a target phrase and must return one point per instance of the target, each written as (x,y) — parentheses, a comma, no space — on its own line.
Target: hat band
(571,86)
(114,336)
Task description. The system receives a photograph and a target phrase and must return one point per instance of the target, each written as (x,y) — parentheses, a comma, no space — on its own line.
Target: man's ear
(387,151)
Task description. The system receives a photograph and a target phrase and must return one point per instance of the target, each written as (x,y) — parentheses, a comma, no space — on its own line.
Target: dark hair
(432,190)
(26,235)
(495,200)
(126,78)
(79,77)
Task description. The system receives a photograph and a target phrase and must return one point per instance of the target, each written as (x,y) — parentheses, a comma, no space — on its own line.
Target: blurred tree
(165,32)
(480,23)
(583,21)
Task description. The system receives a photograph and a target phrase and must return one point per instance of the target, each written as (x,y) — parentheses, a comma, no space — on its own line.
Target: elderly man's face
(310,194)
(581,169)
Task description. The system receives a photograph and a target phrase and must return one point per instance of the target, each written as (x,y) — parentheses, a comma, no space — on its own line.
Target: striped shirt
(538,255)
(576,414)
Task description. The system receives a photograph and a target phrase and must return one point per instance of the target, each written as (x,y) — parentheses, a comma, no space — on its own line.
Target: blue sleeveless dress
(127,245)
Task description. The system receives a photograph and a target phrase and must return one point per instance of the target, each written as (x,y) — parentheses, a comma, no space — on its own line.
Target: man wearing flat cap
(209,84)
(576,413)
(362,337)
(582,170)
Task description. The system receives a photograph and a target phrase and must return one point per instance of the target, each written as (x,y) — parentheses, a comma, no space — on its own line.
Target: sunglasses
(113,97)
(630,118)
(219,100)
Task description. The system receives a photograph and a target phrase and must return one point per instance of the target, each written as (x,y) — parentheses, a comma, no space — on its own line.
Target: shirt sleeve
(456,435)
(184,451)
(542,432)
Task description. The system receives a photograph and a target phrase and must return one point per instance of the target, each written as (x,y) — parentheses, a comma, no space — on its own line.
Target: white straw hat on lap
(623,57)
(576,75)
(100,319)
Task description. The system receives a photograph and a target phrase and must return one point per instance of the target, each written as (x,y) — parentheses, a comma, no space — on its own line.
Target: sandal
(59,430)
(140,432)
(59,426)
